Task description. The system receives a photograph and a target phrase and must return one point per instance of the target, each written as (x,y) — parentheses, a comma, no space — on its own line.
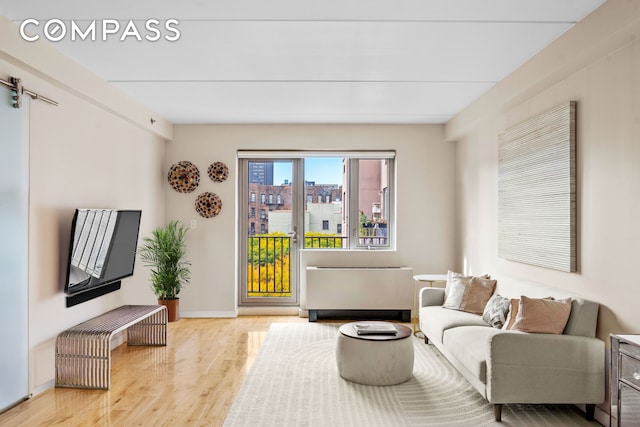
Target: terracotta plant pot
(173,309)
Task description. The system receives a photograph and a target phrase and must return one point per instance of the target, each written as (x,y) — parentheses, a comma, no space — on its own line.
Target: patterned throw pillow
(496,311)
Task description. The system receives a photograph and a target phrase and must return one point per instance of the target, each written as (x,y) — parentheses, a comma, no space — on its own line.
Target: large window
(350,191)
(323,201)
(326,200)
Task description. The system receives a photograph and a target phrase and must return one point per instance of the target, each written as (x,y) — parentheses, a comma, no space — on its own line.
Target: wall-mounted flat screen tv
(102,251)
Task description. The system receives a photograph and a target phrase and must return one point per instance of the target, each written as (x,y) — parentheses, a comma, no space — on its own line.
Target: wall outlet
(194,223)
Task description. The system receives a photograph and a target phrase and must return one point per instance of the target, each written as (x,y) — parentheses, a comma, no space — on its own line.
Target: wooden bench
(83,352)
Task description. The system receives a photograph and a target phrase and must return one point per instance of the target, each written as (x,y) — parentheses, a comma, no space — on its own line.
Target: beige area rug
(294,382)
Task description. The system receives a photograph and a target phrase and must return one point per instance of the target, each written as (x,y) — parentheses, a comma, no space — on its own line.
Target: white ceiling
(309,61)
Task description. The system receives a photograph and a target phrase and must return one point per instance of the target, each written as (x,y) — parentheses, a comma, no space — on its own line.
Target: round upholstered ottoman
(374,359)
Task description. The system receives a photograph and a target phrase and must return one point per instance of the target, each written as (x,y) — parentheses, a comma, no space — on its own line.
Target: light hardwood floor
(190,382)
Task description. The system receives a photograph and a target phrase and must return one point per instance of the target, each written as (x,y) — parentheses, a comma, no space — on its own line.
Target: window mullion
(352,195)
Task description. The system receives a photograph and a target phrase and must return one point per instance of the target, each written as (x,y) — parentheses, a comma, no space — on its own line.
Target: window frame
(354,208)
(349,197)
(350,206)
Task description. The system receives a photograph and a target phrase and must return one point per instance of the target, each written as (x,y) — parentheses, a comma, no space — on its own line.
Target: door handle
(294,235)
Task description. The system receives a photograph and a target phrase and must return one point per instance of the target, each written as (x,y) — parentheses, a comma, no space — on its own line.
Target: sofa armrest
(545,368)
(431,296)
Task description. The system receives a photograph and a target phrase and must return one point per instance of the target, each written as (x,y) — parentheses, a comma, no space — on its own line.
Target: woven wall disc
(208,205)
(184,176)
(218,172)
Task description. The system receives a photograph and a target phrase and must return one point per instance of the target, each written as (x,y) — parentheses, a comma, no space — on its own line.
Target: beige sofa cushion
(434,320)
(470,346)
(583,318)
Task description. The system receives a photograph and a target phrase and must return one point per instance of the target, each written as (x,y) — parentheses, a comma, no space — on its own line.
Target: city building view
(270,209)
(325,205)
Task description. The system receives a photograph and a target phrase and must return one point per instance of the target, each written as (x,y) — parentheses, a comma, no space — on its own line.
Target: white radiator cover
(359,288)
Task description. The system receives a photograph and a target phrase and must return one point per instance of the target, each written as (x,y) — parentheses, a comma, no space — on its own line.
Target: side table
(625,380)
(378,360)
(422,278)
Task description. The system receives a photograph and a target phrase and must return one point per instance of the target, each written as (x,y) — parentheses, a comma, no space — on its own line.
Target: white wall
(90,151)
(597,64)
(425,201)
(319,212)
(279,221)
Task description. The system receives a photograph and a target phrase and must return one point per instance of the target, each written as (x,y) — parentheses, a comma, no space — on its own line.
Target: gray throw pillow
(496,311)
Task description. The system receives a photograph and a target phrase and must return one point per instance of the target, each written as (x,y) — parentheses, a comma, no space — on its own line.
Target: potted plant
(165,251)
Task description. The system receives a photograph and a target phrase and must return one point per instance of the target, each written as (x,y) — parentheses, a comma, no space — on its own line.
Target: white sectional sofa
(507,366)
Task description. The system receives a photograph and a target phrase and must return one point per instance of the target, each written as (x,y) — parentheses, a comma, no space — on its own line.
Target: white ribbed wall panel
(537,190)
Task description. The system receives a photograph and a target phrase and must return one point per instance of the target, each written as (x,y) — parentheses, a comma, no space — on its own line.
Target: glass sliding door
(14,229)
(269,240)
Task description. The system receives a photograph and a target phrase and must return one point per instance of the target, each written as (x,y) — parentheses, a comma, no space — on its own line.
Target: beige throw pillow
(513,313)
(543,316)
(469,294)
(477,294)
(452,277)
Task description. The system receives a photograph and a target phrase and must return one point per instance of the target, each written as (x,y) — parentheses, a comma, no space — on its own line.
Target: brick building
(268,198)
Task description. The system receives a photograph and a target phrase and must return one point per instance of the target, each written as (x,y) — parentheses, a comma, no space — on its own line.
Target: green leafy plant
(165,252)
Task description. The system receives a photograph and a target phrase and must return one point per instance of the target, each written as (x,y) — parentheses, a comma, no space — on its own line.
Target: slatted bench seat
(83,352)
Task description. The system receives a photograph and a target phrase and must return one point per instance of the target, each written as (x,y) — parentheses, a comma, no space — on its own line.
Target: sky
(319,169)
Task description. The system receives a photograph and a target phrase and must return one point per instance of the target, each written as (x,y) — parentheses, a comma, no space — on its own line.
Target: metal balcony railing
(326,242)
(373,236)
(269,268)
